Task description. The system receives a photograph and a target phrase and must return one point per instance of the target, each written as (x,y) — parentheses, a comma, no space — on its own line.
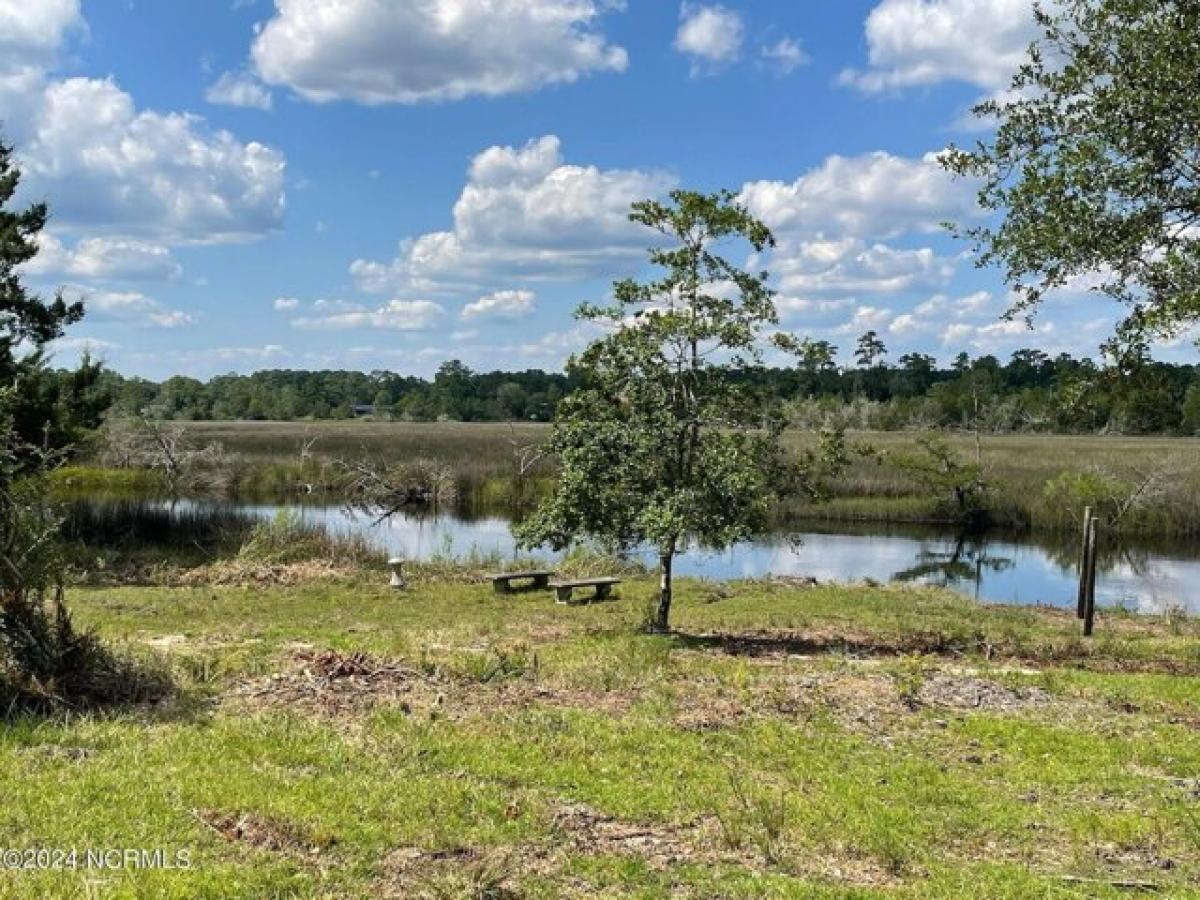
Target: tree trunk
(664,591)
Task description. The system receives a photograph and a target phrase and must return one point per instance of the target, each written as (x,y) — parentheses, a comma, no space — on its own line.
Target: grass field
(1017,466)
(332,738)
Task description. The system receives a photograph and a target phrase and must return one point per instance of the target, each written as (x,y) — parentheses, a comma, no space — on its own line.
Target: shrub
(45,663)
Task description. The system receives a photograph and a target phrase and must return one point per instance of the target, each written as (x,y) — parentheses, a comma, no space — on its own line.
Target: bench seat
(564,590)
(538,578)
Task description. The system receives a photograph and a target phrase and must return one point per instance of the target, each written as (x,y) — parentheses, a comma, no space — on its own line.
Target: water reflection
(995,568)
(964,564)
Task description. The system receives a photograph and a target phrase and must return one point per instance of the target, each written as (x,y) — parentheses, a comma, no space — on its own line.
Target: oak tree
(1094,164)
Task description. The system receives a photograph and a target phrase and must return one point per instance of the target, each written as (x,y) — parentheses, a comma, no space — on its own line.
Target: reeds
(294,459)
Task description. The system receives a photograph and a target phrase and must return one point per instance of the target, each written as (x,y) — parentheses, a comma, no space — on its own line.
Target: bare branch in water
(384,489)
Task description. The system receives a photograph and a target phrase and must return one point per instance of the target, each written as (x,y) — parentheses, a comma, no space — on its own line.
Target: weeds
(288,539)
(756,817)
(499,664)
(910,678)
(1176,617)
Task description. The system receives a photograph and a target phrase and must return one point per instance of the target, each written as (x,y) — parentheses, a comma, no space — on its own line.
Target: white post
(397,566)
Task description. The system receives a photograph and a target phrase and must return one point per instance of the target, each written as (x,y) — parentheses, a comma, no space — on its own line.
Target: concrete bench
(502,582)
(565,589)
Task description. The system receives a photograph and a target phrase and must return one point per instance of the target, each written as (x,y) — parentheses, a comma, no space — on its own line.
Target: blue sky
(241,184)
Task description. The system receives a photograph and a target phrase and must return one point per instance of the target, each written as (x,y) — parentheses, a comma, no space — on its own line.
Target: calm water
(993,568)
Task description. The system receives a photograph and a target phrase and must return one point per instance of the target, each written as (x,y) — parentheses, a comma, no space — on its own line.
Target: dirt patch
(334,684)
(576,829)
(967,692)
(711,713)
(1132,858)
(517,695)
(582,829)
(60,752)
(167,641)
(263,833)
(874,703)
(546,632)
(579,830)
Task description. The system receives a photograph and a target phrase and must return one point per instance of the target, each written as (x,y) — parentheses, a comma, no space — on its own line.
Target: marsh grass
(474,451)
(286,538)
(1018,469)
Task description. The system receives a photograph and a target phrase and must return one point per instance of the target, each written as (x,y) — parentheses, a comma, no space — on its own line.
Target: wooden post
(1089,614)
(1083,553)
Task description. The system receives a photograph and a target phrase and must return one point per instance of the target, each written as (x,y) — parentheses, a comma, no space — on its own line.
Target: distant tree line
(1031,391)
(455,393)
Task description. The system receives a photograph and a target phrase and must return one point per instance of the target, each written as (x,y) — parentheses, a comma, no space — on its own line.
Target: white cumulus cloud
(103,259)
(238,89)
(104,164)
(500,304)
(524,212)
(876,195)
(374,51)
(923,42)
(397,315)
(851,266)
(710,35)
(866,318)
(31,33)
(107,166)
(131,307)
(784,55)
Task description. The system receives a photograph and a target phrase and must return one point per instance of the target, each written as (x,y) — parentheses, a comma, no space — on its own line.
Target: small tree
(817,357)
(664,442)
(1191,410)
(870,350)
(954,483)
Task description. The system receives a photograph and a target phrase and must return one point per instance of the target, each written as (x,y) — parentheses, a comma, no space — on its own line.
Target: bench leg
(564,595)
(602,591)
(541,581)
(501,587)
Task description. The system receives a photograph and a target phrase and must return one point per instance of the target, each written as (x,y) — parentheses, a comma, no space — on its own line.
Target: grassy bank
(474,450)
(1019,470)
(333,738)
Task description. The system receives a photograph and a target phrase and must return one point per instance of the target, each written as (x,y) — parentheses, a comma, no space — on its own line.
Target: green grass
(334,738)
(80,481)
